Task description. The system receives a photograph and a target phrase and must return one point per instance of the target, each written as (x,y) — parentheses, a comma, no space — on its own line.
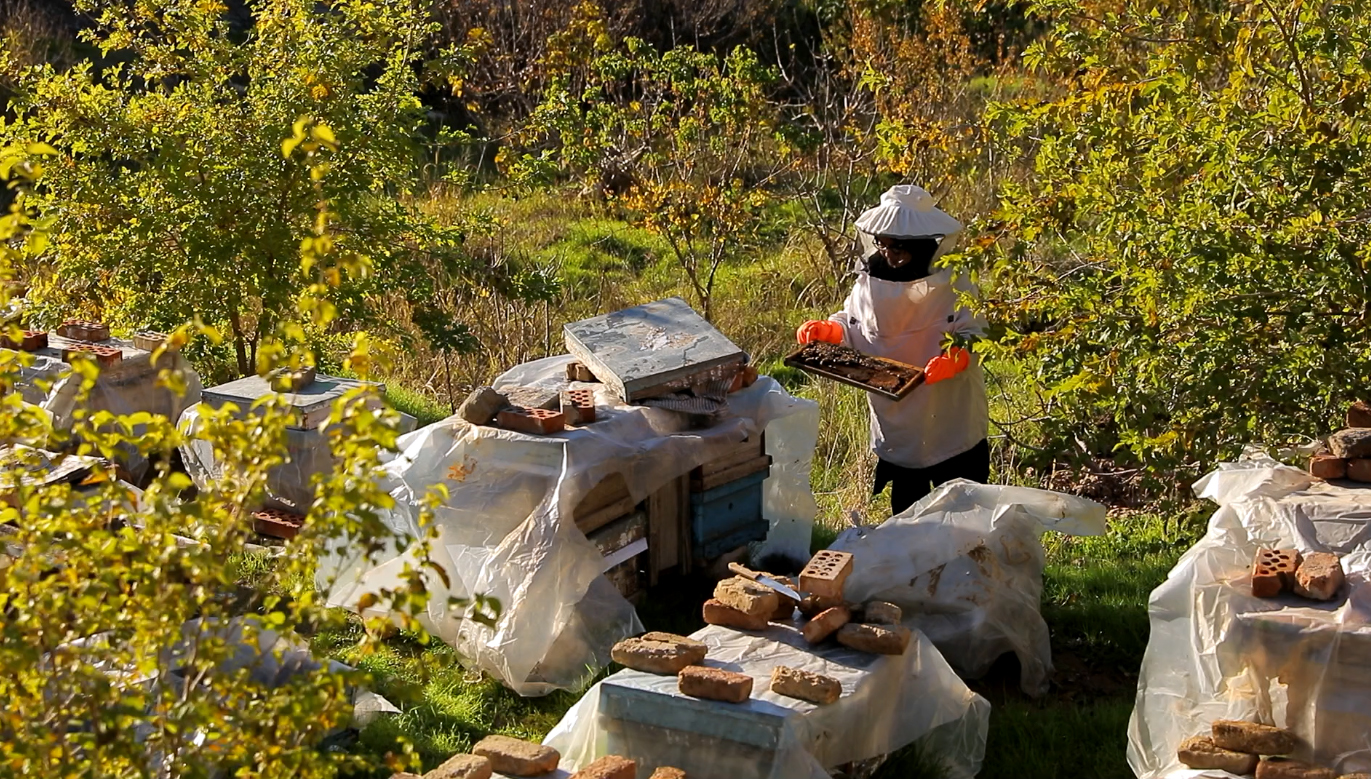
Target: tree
(170,196)
(1186,264)
(120,627)
(686,142)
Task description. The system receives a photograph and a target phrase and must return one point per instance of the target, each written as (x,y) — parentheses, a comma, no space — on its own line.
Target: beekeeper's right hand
(825,330)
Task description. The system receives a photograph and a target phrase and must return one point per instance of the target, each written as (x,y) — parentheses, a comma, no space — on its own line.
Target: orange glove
(947,365)
(825,330)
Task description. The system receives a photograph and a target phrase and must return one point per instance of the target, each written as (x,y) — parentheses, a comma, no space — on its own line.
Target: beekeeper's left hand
(946,365)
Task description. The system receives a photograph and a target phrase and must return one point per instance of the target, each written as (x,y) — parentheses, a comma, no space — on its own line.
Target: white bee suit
(907,321)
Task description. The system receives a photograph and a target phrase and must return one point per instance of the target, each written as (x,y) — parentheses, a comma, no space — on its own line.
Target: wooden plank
(664,529)
(748,450)
(720,478)
(611,489)
(598,519)
(683,550)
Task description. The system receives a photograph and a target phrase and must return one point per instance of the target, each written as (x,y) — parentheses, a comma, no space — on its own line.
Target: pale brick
(1319,576)
(878,612)
(805,685)
(749,597)
(716,613)
(668,772)
(672,638)
(826,573)
(517,758)
(1284,768)
(826,624)
(1252,738)
(1200,752)
(609,767)
(1352,443)
(714,684)
(463,767)
(875,638)
(657,657)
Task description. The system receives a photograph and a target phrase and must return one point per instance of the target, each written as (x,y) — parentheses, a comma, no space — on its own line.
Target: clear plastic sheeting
(506,530)
(888,702)
(965,565)
(1217,652)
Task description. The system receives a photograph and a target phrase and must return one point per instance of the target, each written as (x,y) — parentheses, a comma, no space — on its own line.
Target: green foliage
(122,636)
(1188,261)
(175,199)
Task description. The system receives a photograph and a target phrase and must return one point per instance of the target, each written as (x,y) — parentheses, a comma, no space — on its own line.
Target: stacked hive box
(726,500)
(611,520)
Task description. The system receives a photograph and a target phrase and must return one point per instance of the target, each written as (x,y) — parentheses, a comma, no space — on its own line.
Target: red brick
(32,341)
(716,613)
(82,330)
(1273,570)
(578,406)
(104,356)
(1359,414)
(1359,469)
(534,421)
(825,574)
(715,684)
(277,523)
(812,605)
(1326,466)
(826,624)
(609,767)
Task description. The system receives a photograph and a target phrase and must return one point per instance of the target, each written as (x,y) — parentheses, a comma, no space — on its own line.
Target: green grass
(418,405)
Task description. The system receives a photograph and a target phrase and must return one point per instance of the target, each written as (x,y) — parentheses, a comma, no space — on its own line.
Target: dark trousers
(907,485)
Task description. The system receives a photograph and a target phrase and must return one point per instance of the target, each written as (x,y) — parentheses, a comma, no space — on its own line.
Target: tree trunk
(240,346)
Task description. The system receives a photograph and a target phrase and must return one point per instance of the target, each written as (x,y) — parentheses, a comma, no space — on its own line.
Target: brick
(716,613)
(714,684)
(805,685)
(749,597)
(825,624)
(1359,469)
(744,378)
(1326,466)
(577,371)
(1200,752)
(672,638)
(517,758)
(785,607)
(29,341)
(149,340)
(1319,576)
(82,330)
(879,612)
(533,397)
(1355,776)
(481,406)
(813,605)
(463,767)
(1284,768)
(825,574)
(1359,414)
(1252,738)
(1273,571)
(1352,443)
(668,772)
(578,406)
(534,421)
(405,775)
(277,523)
(656,657)
(875,638)
(104,356)
(609,767)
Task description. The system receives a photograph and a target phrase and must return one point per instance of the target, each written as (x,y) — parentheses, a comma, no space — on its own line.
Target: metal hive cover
(639,349)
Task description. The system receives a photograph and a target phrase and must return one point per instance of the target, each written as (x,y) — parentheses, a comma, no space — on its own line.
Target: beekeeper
(904,309)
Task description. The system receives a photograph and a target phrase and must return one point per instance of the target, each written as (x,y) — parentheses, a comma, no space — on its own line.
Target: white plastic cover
(505,530)
(965,565)
(1216,652)
(907,211)
(887,703)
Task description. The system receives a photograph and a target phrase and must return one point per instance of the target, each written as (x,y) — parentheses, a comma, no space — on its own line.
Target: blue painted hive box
(727,516)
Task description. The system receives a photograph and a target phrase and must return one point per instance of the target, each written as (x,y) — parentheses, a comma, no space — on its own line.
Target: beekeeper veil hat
(907,211)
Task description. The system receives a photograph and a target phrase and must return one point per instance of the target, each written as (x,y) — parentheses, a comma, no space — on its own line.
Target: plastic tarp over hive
(965,564)
(888,701)
(505,529)
(1217,652)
